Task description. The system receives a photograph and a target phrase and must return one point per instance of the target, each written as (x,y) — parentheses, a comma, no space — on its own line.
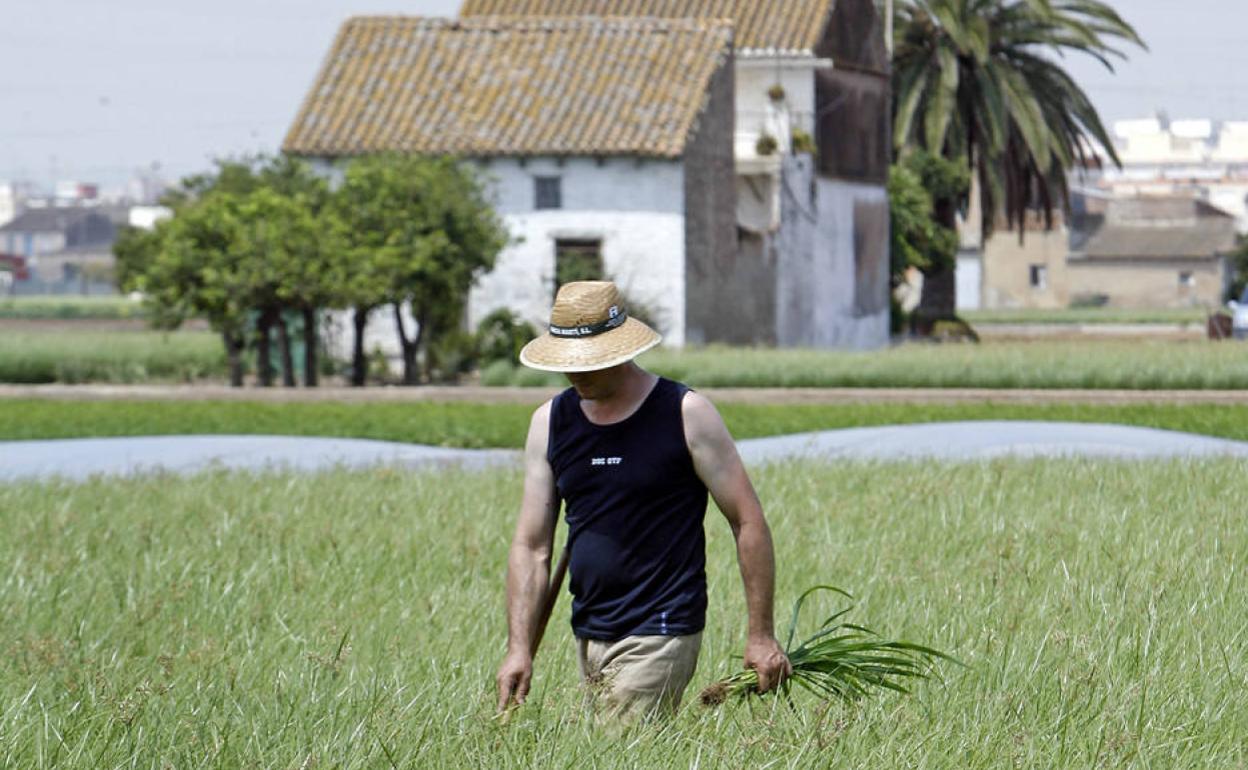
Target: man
(633,456)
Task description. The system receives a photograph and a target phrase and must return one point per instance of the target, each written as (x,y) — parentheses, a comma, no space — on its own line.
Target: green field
(1099,364)
(72,357)
(505,425)
(1091,315)
(355,620)
(68,307)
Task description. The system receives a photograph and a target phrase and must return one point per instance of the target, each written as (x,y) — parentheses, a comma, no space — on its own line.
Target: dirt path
(537,395)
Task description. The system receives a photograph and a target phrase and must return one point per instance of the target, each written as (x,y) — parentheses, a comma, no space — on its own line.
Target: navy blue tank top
(634,507)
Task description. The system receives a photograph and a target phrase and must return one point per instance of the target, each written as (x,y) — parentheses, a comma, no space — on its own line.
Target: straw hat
(589,330)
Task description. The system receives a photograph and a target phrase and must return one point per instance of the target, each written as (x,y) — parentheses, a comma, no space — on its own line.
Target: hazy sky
(90,90)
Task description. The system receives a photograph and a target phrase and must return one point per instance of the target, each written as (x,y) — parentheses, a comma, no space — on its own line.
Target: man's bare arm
(719,466)
(528,562)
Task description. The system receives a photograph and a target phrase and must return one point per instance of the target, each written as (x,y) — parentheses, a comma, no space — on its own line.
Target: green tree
(979,82)
(415,230)
(189,267)
(247,242)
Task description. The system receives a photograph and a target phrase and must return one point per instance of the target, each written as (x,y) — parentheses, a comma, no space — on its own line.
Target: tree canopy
(261,238)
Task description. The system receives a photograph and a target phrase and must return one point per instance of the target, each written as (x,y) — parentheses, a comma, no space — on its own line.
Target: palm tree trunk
(939,298)
(310,341)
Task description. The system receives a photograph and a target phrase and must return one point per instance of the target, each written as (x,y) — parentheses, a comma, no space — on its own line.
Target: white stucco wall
(636,208)
(756,112)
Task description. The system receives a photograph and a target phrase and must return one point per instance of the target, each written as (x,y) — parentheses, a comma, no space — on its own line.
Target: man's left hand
(763,654)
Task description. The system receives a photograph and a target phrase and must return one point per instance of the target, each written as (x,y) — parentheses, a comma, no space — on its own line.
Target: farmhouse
(608,143)
(1142,252)
(811,152)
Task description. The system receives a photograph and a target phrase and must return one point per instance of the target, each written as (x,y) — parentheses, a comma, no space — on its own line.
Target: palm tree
(980,82)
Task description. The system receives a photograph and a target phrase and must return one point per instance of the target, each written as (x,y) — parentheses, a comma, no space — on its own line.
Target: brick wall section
(730,291)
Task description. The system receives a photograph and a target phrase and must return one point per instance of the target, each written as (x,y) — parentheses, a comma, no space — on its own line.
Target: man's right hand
(514,676)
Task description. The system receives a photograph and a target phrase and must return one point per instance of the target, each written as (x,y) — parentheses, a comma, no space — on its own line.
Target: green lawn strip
(505,425)
(356,620)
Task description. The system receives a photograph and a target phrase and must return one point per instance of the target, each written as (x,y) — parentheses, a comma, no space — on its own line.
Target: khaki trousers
(638,676)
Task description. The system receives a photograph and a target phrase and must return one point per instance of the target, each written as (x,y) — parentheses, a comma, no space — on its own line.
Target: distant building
(67,249)
(13,197)
(1145,252)
(1197,158)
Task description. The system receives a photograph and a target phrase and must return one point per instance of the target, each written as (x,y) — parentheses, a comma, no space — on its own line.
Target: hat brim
(549,353)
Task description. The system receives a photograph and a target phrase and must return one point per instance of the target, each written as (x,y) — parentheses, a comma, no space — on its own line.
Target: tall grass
(73,357)
(355,620)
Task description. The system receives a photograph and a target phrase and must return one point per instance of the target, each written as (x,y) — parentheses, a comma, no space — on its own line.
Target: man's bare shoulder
(702,420)
(539,431)
(541,415)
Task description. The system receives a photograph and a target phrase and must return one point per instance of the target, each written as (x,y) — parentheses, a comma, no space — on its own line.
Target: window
(1187,279)
(577,260)
(1039,277)
(548,192)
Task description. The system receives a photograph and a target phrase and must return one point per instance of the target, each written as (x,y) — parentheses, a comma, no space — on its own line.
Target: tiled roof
(774,25)
(514,86)
(59,219)
(1205,240)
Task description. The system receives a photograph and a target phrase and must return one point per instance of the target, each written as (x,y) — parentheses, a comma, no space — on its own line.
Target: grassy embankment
(355,620)
(505,425)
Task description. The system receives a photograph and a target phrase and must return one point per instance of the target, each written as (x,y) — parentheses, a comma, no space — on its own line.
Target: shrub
(766,145)
(501,335)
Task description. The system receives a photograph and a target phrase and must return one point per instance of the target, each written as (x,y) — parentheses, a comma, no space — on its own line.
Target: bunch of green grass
(841,661)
